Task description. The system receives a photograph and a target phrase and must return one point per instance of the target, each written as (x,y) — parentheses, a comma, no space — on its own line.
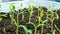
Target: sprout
(40,16)
(43,24)
(16,24)
(30,11)
(36,26)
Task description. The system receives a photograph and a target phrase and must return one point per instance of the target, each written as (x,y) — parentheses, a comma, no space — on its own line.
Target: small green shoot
(30,11)
(41,14)
(0,19)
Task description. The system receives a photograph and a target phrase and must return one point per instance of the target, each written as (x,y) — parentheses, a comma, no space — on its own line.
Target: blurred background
(9,0)
(21,0)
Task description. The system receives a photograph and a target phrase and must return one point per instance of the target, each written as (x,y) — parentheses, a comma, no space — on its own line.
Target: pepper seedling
(36,26)
(18,26)
(43,22)
(12,9)
(39,17)
(52,18)
(30,11)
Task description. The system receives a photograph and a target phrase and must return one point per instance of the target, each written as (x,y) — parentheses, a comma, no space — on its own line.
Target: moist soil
(10,28)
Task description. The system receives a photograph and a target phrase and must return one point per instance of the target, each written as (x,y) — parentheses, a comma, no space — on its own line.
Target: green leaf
(41,14)
(25,28)
(12,8)
(0,19)
(30,31)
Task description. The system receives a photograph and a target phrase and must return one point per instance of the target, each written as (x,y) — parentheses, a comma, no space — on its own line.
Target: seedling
(12,9)
(30,11)
(52,18)
(40,16)
(43,22)
(17,26)
(36,26)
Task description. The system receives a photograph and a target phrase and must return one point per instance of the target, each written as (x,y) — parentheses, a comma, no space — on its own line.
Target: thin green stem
(42,30)
(52,27)
(22,17)
(17,17)
(29,18)
(16,29)
(35,30)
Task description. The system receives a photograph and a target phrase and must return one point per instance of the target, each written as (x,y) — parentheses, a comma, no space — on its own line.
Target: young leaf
(12,8)
(30,31)
(0,19)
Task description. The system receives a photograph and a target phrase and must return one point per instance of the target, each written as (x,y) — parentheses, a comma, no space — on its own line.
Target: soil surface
(7,27)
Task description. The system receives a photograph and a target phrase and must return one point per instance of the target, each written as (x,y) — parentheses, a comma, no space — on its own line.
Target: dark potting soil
(7,27)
